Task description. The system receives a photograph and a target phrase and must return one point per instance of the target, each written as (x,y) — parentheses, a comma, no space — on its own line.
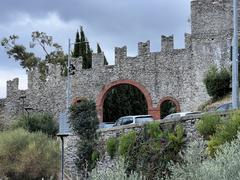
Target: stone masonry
(170,74)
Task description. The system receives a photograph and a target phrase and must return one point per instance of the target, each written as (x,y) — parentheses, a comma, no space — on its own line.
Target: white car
(179,115)
(139,119)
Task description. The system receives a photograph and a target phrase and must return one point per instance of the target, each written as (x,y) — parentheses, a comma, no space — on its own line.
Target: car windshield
(127,120)
(143,119)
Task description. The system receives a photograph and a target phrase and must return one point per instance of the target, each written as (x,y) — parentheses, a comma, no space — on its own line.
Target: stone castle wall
(174,74)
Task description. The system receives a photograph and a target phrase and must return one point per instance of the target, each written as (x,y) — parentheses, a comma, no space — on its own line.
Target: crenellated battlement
(120,54)
(167,43)
(143,48)
(12,86)
(97,60)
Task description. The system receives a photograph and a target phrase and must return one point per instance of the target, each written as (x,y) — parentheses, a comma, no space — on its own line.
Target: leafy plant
(34,122)
(95,156)
(126,142)
(207,125)
(225,133)
(28,60)
(153,130)
(198,166)
(83,119)
(84,122)
(153,149)
(117,172)
(217,82)
(112,146)
(27,155)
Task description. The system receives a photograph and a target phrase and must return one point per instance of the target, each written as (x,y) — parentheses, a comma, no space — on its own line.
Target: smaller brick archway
(103,94)
(168,98)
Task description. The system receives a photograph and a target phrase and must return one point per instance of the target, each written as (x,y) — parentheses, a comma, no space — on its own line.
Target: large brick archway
(103,94)
(168,98)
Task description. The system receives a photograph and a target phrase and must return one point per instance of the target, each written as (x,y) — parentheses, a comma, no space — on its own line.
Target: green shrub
(27,155)
(118,172)
(95,157)
(208,124)
(126,141)
(84,122)
(111,146)
(225,133)
(153,130)
(154,149)
(43,122)
(83,119)
(196,165)
(176,138)
(217,82)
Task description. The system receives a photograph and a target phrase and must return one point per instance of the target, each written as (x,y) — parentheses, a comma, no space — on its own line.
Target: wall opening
(123,100)
(168,105)
(107,88)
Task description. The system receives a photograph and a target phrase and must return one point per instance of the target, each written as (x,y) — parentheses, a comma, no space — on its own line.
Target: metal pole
(62,164)
(235,93)
(68,76)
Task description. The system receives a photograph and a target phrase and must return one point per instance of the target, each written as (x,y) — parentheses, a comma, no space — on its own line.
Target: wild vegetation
(149,151)
(84,122)
(198,165)
(218,131)
(26,155)
(217,82)
(29,149)
(35,122)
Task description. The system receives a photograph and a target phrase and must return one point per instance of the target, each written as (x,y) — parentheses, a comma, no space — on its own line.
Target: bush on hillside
(207,125)
(35,122)
(226,132)
(126,142)
(196,165)
(84,122)
(118,172)
(153,149)
(112,146)
(83,119)
(27,155)
(217,82)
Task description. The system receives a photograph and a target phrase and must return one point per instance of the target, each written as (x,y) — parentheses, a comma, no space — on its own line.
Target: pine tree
(99,50)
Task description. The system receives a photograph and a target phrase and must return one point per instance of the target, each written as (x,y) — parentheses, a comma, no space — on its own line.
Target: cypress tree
(76,52)
(82,48)
(88,55)
(99,50)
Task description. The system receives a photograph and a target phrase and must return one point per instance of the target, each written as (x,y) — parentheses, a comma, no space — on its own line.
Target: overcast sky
(109,22)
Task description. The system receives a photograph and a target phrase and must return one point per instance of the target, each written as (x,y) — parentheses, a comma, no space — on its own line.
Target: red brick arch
(168,98)
(103,94)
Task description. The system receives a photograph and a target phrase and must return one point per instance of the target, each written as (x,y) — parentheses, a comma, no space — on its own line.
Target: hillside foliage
(27,155)
(84,122)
